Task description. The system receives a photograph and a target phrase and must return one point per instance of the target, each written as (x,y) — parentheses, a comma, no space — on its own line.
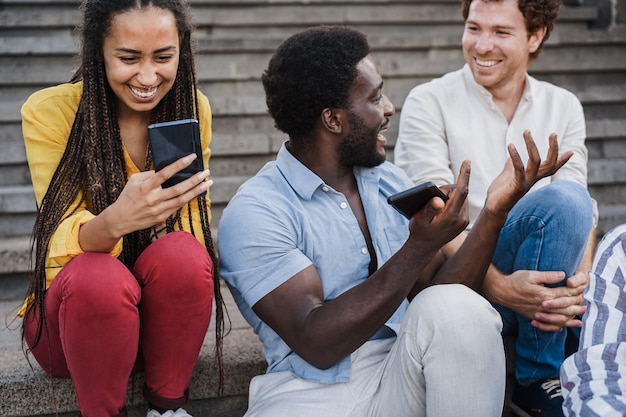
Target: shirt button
(325,189)
(343,205)
(364,251)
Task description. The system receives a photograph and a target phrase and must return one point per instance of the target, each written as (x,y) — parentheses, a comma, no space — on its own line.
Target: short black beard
(358,148)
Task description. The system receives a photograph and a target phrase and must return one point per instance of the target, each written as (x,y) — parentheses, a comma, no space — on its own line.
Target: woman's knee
(178,250)
(98,280)
(177,261)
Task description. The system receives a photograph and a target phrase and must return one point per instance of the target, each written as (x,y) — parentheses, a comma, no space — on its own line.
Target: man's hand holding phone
(411,201)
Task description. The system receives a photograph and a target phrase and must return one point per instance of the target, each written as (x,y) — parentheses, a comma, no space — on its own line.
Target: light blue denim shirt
(286,218)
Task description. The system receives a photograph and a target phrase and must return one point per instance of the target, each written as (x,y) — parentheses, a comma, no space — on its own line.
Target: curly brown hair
(537,14)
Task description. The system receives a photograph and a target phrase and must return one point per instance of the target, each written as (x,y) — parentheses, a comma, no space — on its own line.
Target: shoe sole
(518,411)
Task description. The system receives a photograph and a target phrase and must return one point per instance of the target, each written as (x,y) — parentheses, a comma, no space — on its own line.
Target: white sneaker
(155,413)
(169,413)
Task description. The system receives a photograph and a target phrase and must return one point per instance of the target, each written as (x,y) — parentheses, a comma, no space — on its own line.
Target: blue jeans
(547,230)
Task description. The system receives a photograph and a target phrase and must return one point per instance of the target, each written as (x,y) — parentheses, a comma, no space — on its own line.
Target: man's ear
(535,39)
(332,119)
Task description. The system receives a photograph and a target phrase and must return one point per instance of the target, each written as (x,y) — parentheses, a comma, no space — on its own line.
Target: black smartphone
(170,141)
(410,201)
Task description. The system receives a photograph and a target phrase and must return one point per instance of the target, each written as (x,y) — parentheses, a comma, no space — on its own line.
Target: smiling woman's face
(141,54)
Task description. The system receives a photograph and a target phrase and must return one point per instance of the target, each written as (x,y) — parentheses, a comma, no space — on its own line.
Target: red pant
(99,315)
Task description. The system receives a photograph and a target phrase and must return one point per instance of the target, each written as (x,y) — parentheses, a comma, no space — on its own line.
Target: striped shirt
(594,378)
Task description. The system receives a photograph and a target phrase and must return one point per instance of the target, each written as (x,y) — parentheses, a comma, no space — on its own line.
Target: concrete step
(62,42)
(248,65)
(209,16)
(29,392)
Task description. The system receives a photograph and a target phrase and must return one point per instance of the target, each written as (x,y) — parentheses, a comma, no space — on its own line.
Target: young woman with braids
(125,270)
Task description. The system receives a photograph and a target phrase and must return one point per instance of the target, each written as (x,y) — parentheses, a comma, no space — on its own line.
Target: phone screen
(170,141)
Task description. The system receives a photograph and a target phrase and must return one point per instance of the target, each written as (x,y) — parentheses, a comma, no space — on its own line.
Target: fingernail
(205,185)
(203,174)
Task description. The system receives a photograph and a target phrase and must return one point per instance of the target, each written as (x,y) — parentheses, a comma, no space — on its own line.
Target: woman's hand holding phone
(144,202)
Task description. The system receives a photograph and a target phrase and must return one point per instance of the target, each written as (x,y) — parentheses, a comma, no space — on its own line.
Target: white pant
(447,361)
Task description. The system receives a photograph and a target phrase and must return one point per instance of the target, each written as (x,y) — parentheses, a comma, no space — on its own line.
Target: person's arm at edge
(590,377)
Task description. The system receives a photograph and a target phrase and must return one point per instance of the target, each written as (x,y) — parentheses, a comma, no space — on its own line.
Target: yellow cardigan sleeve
(47,119)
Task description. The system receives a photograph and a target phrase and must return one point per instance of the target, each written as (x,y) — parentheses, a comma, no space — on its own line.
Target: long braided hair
(92,168)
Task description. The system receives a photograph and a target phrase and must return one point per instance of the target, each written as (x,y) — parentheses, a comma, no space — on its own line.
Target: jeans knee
(562,206)
(576,210)
(570,195)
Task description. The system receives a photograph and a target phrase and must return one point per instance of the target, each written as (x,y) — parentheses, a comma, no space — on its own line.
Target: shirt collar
(304,181)
(301,179)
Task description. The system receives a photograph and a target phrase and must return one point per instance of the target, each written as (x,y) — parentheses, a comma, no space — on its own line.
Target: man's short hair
(310,71)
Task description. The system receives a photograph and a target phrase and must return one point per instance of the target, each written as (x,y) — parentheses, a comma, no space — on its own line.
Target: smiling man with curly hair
(475,113)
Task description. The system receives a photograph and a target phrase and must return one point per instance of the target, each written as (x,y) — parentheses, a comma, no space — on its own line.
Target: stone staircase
(413,41)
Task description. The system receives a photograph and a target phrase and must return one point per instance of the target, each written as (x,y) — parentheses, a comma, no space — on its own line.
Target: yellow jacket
(47,118)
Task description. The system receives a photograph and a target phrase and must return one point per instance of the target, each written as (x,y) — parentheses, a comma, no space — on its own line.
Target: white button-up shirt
(452,118)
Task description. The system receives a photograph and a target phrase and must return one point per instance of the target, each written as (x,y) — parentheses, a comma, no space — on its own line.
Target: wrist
(492,287)
(112,227)
(494,215)
(420,251)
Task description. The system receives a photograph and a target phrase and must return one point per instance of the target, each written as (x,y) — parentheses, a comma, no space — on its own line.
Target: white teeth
(486,63)
(144,93)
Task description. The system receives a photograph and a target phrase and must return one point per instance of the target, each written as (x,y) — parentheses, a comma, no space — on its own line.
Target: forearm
(493,284)
(359,312)
(102,233)
(587,261)
(472,259)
